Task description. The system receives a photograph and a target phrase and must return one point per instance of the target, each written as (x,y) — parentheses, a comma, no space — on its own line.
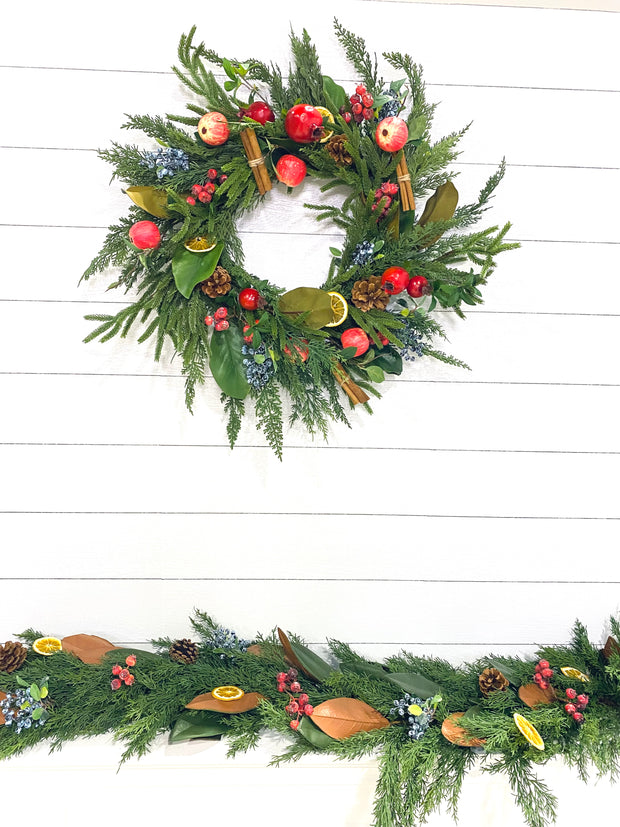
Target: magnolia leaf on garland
(342,717)
(335,95)
(415,684)
(532,695)
(441,206)
(314,306)
(226,362)
(88,648)
(458,735)
(313,734)
(390,361)
(200,725)
(361,668)
(509,673)
(150,199)
(189,269)
(303,658)
(2,698)
(611,648)
(249,701)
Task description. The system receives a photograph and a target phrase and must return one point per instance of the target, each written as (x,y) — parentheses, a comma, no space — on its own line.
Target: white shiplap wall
(473,511)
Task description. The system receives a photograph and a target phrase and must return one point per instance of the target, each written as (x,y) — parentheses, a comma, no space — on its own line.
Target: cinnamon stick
(255,160)
(407,201)
(353,391)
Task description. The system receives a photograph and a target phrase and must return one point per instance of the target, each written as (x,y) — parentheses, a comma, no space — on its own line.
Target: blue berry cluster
(391,108)
(21,709)
(417,724)
(166,161)
(363,253)
(226,642)
(257,371)
(413,342)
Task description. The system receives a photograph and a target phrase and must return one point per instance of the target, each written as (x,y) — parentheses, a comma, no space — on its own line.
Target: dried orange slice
(200,243)
(326,114)
(529,732)
(340,309)
(575,674)
(228,693)
(47,645)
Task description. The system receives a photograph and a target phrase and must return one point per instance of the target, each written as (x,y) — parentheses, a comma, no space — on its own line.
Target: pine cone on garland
(184,651)
(218,284)
(492,680)
(368,294)
(336,148)
(12,655)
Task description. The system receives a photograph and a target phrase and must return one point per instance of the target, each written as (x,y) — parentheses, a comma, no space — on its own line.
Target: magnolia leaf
(312,733)
(303,658)
(199,725)
(150,199)
(226,362)
(439,207)
(507,672)
(249,701)
(417,127)
(2,698)
(88,648)
(532,695)
(334,93)
(313,305)
(373,670)
(415,684)
(390,361)
(406,221)
(189,269)
(458,735)
(342,717)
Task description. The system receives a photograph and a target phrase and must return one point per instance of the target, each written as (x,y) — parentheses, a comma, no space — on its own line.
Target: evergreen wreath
(179,247)
(428,721)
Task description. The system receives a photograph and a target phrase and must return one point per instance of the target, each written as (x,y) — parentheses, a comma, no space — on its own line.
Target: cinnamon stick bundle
(407,201)
(353,391)
(255,160)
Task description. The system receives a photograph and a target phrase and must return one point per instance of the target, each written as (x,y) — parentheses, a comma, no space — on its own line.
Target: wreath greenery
(428,721)
(185,258)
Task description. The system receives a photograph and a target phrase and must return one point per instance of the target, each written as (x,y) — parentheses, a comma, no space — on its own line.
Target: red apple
(392,134)
(213,129)
(304,124)
(291,170)
(259,111)
(145,235)
(355,337)
(394,280)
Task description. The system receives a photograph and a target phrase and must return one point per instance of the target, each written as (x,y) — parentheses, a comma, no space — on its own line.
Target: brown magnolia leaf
(290,656)
(2,697)
(88,648)
(458,735)
(441,206)
(150,199)
(611,647)
(342,717)
(249,701)
(532,695)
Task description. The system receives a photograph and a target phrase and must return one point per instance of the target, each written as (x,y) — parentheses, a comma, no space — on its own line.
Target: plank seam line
(313,514)
(502,6)
(312,580)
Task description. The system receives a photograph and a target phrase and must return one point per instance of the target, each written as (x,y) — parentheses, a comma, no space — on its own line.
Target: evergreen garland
(307,358)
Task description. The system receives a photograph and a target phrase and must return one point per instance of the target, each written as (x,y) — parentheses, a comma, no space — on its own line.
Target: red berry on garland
(347,117)
(210,188)
(123,674)
(145,235)
(538,668)
(360,90)
(260,111)
(570,708)
(130,660)
(544,664)
(208,321)
(394,280)
(303,699)
(205,197)
(196,189)
(221,313)
(367,114)
(295,686)
(281,676)
(367,100)
(292,674)
(538,678)
(212,174)
(116,669)
(292,708)
(547,673)
(222,326)
(281,687)
(302,352)
(391,134)
(578,717)
(418,287)
(191,201)
(129,680)
(213,129)
(304,124)
(291,170)
(582,700)
(544,684)
(249,298)
(294,724)
(115,684)
(355,337)
(357,108)
(571,693)
(308,709)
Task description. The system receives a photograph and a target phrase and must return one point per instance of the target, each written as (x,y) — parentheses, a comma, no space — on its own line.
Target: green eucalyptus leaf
(314,735)
(390,361)
(150,199)
(198,725)
(189,269)
(44,692)
(314,306)
(37,713)
(226,362)
(380,100)
(335,93)
(335,251)
(375,374)
(395,85)
(378,245)
(35,692)
(229,85)
(415,684)
(21,681)
(228,68)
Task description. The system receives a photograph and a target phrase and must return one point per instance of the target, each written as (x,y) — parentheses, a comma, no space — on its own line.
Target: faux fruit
(145,235)
(355,337)
(259,111)
(418,287)
(291,170)
(302,352)
(304,124)
(394,280)
(213,129)
(391,134)
(249,298)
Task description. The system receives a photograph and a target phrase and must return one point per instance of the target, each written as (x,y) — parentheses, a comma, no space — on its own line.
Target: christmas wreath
(180,250)
(428,721)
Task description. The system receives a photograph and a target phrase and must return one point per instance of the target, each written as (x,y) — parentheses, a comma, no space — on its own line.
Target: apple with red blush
(213,129)
(291,170)
(391,134)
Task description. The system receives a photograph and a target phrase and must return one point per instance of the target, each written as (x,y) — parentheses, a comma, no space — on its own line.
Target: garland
(179,250)
(427,720)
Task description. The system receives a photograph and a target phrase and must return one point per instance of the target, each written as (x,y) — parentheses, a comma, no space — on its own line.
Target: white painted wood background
(474,512)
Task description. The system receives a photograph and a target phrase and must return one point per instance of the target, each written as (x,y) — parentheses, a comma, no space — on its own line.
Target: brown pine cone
(12,655)
(184,651)
(336,148)
(492,680)
(368,294)
(217,284)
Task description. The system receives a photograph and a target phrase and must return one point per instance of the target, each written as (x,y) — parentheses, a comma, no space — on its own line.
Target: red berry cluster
(204,192)
(296,707)
(383,198)
(543,674)
(248,337)
(574,709)
(361,105)
(122,675)
(219,316)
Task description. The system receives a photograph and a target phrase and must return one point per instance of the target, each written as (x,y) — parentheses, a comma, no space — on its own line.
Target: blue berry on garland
(414,344)
(259,369)
(362,253)
(416,714)
(23,710)
(390,109)
(226,642)
(166,161)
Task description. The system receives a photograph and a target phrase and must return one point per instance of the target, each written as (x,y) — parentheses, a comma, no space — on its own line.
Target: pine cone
(184,651)
(12,655)
(218,284)
(336,148)
(368,294)
(492,680)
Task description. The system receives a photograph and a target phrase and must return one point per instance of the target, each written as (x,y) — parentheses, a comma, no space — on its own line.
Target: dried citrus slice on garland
(47,645)
(391,271)
(575,674)
(529,732)
(228,693)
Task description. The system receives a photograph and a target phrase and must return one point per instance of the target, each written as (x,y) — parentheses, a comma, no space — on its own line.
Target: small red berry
(393,189)
(222,326)
(582,700)
(570,708)
(249,298)
(355,99)
(578,717)
(538,678)
(295,686)
(544,684)
(544,664)
(281,676)
(361,89)
(196,189)
(292,674)
(129,680)
(367,100)
(308,709)
(210,188)
(221,313)
(547,673)
(357,108)
(294,724)
(394,280)
(191,201)
(281,687)
(208,321)
(367,113)
(123,674)
(115,684)
(538,668)
(418,287)
(347,117)
(212,174)
(222,178)
(571,693)
(204,197)
(293,708)
(116,669)
(303,699)
(130,660)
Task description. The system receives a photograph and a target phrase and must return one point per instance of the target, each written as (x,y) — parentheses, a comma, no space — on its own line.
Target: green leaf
(375,374)
(35,692)
(406,221)
(347,353)
(44,692)
(390,361)
(311,663)
(334,93)
(440,206)
(417,127)
(507,671)
(335,251)
(21,681)
(150,199)
(228,68)
(229,85)
(189,269)
(226,362)
(415,684)
(199,725)
(395,85)
(314,735)
(378,245)
(373,670)
(37,713)
(314,304)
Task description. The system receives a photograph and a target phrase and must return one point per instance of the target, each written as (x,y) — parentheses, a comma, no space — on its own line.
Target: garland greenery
(395,267)
(427,720)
